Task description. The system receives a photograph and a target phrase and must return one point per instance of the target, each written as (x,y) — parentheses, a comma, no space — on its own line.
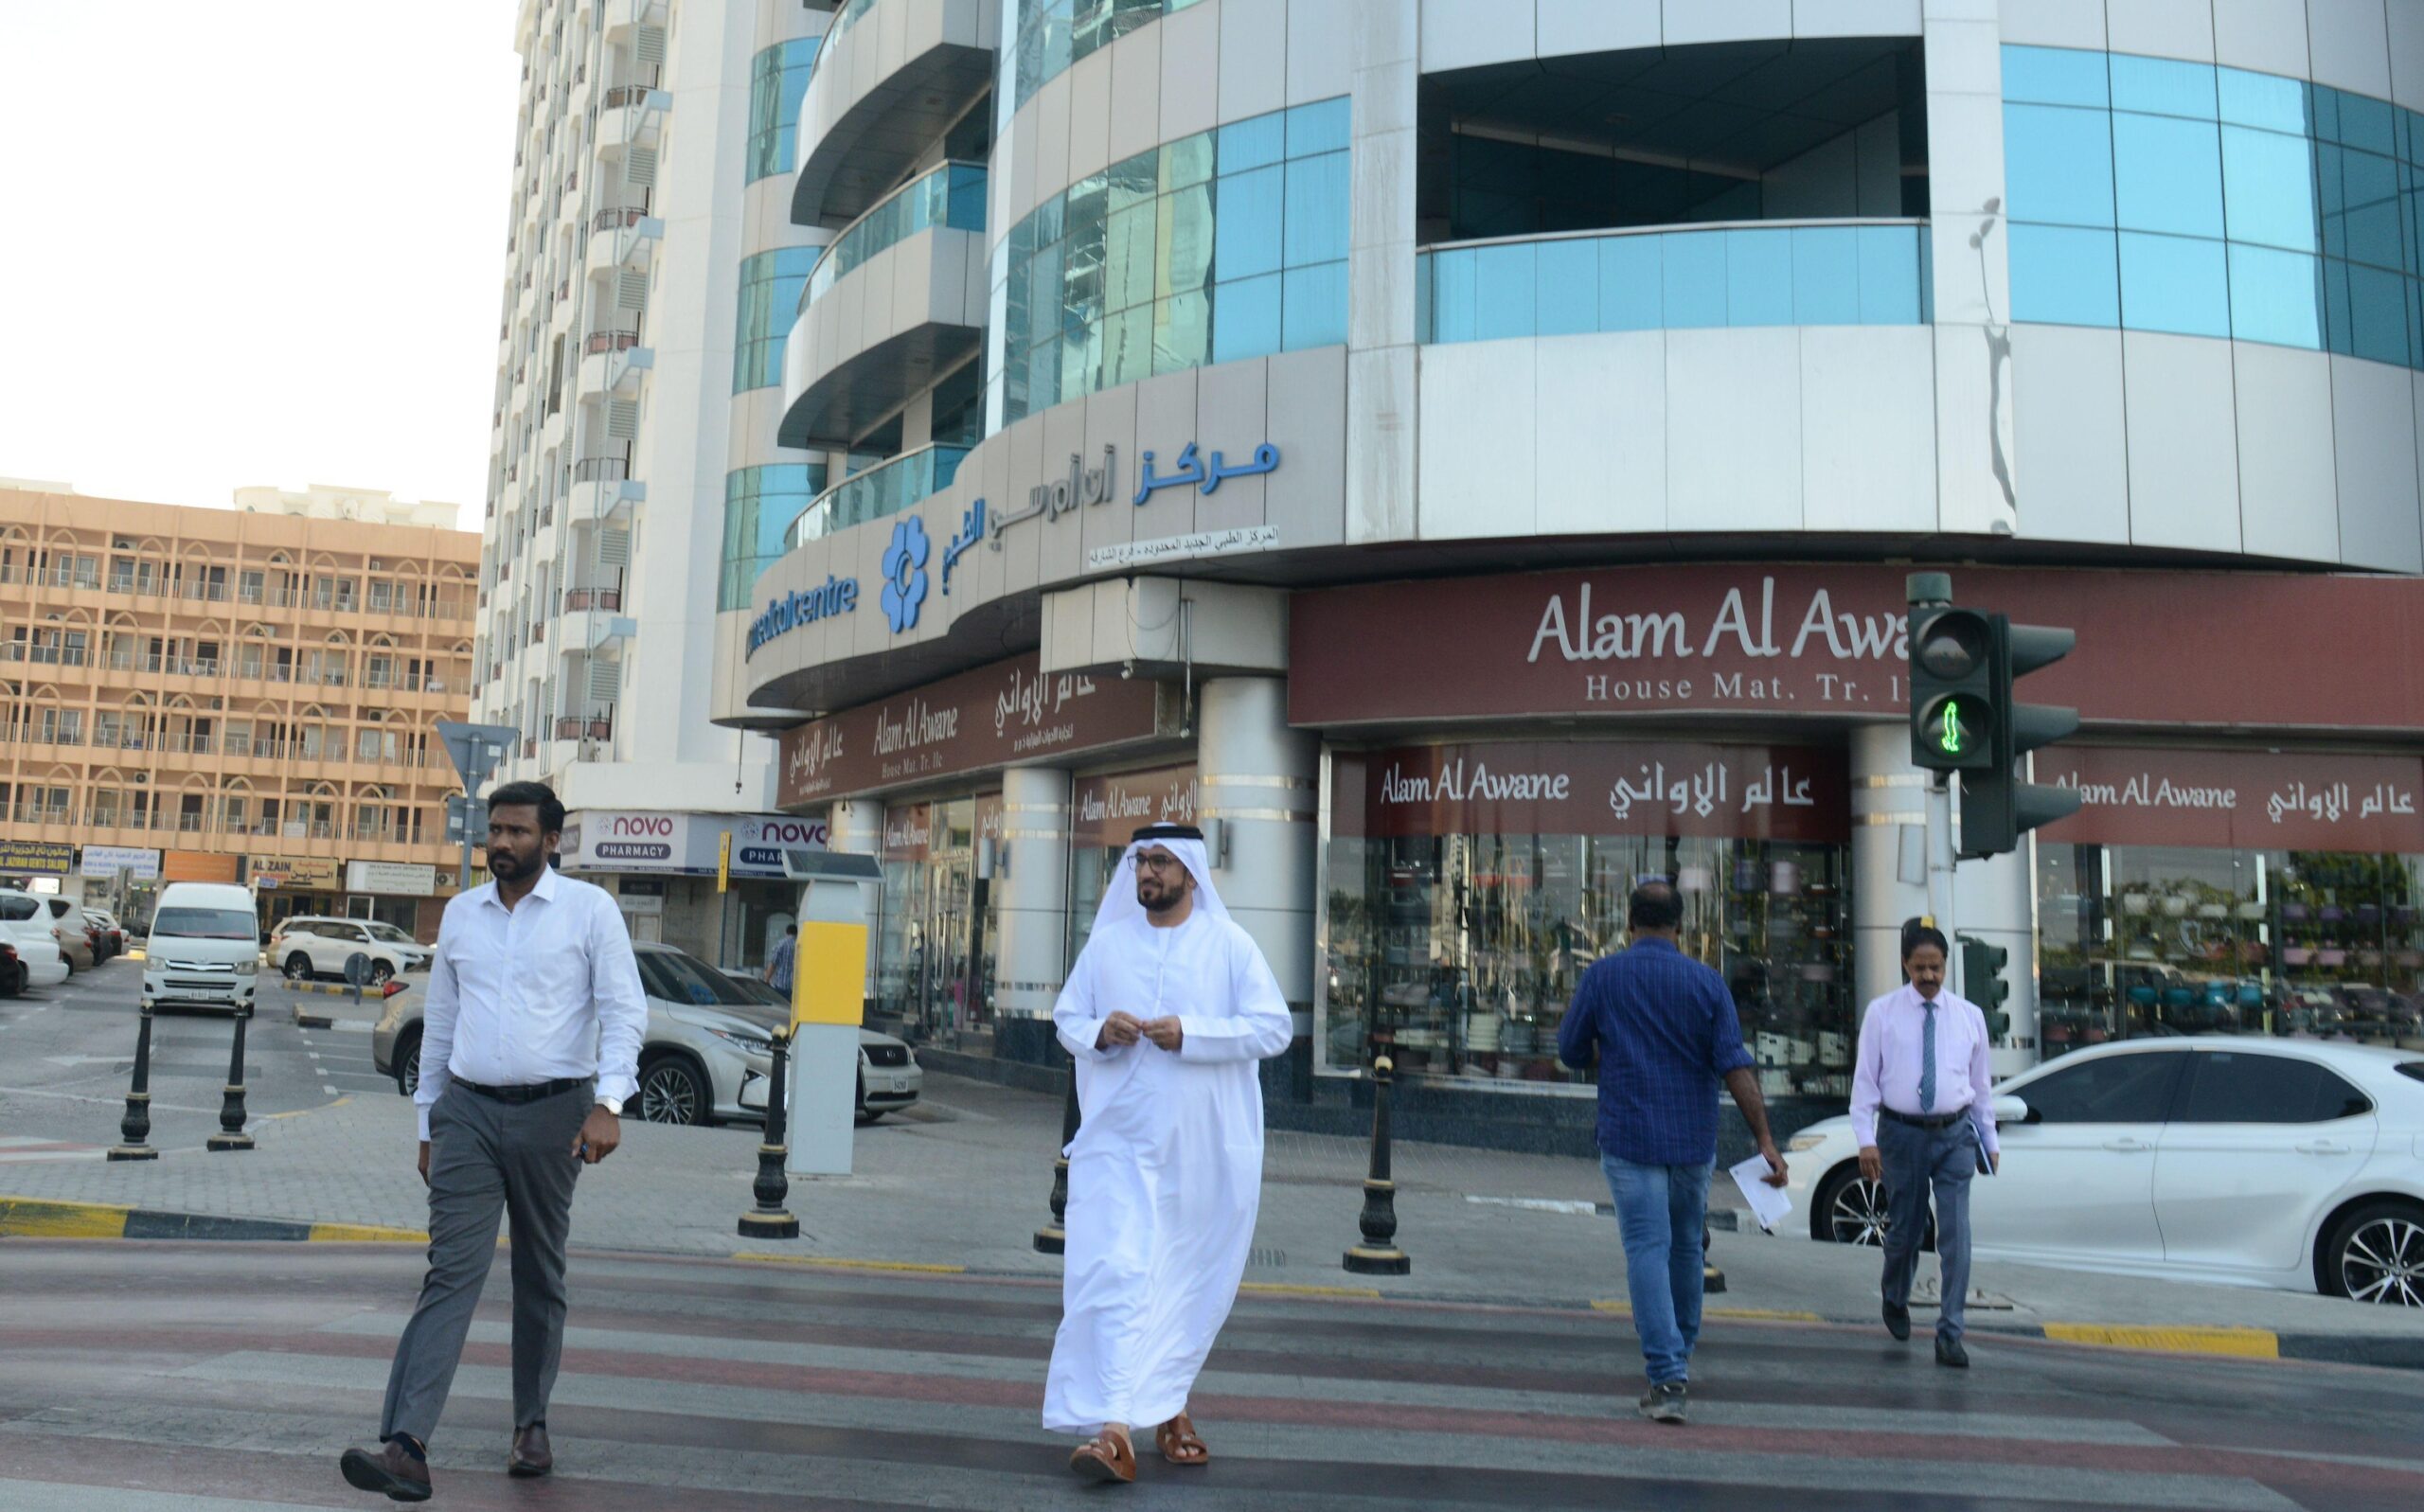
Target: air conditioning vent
(605,680)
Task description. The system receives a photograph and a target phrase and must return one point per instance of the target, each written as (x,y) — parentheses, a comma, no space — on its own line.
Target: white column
(1994,900)
(856,827)
(1262,781)
(1031,891)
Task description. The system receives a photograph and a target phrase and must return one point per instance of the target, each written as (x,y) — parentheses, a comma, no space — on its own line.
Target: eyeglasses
(1164,862)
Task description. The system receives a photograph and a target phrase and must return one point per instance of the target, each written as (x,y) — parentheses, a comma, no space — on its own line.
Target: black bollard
(1379,1254)
(136,1125)
(231,1133)
(770,1219)
(1054,1238)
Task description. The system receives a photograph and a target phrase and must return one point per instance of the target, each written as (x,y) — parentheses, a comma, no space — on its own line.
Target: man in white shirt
(530,1041)
(1923,1113)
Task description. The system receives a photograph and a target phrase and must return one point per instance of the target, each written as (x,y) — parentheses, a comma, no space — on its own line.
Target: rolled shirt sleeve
(1257,1025)
(440,1009)
(1726,1055)
(622,1007)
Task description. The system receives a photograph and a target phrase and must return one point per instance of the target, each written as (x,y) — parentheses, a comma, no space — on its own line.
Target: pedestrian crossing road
(143,1377)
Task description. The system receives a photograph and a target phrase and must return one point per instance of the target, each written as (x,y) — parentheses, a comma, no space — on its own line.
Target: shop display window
(2138,940)
(928,929)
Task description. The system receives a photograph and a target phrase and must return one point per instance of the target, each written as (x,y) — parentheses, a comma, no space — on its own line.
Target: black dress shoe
(389,1469)
(530,1454)
(1897,1322)
(1949,1352)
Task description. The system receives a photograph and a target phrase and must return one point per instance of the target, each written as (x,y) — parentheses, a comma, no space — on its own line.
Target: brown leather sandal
(1180,1444)
(1107,1456)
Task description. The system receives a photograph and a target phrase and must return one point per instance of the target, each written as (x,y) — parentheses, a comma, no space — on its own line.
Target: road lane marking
(2246,1343)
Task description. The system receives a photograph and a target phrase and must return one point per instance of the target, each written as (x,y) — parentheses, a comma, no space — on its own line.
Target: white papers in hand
(1769,1204)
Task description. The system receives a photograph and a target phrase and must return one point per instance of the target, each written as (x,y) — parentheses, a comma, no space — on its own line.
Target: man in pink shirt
(1923,1112)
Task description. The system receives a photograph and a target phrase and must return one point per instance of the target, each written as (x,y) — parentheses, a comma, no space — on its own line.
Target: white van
(205,947)
(26,924)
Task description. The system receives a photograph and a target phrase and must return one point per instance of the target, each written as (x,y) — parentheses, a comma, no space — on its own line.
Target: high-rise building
(233,694)
(649,196)
(1467,453)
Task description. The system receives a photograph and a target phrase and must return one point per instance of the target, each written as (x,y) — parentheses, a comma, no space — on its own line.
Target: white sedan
(2295,1164)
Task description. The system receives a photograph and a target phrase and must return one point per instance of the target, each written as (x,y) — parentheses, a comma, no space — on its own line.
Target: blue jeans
(1915,1161)
(1661,1212)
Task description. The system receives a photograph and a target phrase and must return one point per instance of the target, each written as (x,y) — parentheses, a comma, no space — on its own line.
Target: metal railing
(578,599)
(601,468)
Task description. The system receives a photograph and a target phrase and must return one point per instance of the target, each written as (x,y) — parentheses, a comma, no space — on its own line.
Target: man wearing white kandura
(1166,1012)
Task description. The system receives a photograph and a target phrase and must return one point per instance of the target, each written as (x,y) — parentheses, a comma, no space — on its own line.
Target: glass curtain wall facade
(951,195)
(1226,244)
(770,286)
(760,507)
(778,76)
(2165,195)
(1053,34)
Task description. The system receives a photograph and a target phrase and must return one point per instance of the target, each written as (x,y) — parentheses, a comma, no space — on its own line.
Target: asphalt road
(66,1053)
(145,1377)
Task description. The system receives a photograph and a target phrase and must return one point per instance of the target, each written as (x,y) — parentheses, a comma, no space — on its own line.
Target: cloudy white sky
(256,242)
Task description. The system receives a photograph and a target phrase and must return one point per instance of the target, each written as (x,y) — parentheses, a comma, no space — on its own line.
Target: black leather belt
(1925,1120)
(534,1092)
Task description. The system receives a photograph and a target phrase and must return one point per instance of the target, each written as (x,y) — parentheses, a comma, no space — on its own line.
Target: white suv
(26,924)
(308,946)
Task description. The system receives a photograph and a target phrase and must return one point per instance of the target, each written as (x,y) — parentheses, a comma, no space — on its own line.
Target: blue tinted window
(2377,314)
(2369,203)
(1320,126)
(2261,99)
(1632,283)
(2366,123)
(1825,276)
(2167,175)
(1695,278)
(2056,76)
(2178,284)
(1451,294)
(2058,164)
(1892,278)
(1568,275)
(1255,143)
(2268,188)
(777,77)
(1758,277)
(1316,211)
(1245,226)
(2276,297)
(2066,276)
(1313,307)
(1502,291)
(1245,319)
(2161,86)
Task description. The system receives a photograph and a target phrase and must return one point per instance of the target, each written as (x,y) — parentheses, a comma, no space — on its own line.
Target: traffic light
(1996,807)
(1952,714)
(1982,982)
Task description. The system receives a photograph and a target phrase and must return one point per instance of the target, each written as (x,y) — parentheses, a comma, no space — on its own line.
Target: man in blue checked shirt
(1662,1029)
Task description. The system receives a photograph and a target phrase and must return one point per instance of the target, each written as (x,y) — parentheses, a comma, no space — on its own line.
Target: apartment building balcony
(630,116)
(585,726)
(603,488)
(883,489)
(620,237)
(898,300)
(892,76)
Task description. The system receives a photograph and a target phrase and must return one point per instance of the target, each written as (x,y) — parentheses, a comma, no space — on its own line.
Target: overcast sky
(256,242)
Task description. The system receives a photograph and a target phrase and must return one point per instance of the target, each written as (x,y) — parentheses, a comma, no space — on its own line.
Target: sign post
(476,749)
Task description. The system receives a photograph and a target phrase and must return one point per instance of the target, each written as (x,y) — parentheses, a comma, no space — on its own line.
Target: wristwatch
(613,1105)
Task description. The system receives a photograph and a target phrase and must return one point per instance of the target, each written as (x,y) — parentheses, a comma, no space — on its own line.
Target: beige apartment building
(243,695)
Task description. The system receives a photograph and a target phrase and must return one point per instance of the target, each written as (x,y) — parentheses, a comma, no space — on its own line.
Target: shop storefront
(403,894)
(662,867)
(286,886)
(1104,810)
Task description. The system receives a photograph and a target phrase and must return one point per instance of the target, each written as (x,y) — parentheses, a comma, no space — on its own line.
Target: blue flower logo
(905,574)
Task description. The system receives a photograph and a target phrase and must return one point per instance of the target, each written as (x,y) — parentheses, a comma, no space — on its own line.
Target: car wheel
(1850,1209)
(408,1064)
(2375,1254)
(379,973)
(298,966)
(673,1090)
(12,982)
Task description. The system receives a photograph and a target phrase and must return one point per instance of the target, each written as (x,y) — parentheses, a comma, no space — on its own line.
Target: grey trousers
(487,1160)
(1915,1161)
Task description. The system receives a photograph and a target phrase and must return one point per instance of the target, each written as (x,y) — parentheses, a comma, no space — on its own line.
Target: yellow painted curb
(1624,1308)
(2247,1344)
(1769,1314)
(829,1262)
(1281,1289)
(22,1218)
(364,1234)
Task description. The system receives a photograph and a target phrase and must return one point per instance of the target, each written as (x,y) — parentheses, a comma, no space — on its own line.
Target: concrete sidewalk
(964,1180)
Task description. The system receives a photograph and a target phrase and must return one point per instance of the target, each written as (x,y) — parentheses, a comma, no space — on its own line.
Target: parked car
(203,950)
(307,945)
(889,1075)
(25,924)
(2276,1162)
(12,971)
(112,939)
(73,934)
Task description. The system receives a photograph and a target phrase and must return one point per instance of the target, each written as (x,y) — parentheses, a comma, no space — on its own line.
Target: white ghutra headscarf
(1185,841)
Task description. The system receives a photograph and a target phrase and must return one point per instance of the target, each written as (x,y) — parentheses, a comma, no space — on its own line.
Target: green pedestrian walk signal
(1951,680)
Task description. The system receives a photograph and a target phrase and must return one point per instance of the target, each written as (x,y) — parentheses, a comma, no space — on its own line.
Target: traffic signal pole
(1932,591)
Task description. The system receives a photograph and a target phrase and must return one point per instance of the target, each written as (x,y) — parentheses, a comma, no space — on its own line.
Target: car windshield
(390,934)
(757,992)
(679,978)
(205,924)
